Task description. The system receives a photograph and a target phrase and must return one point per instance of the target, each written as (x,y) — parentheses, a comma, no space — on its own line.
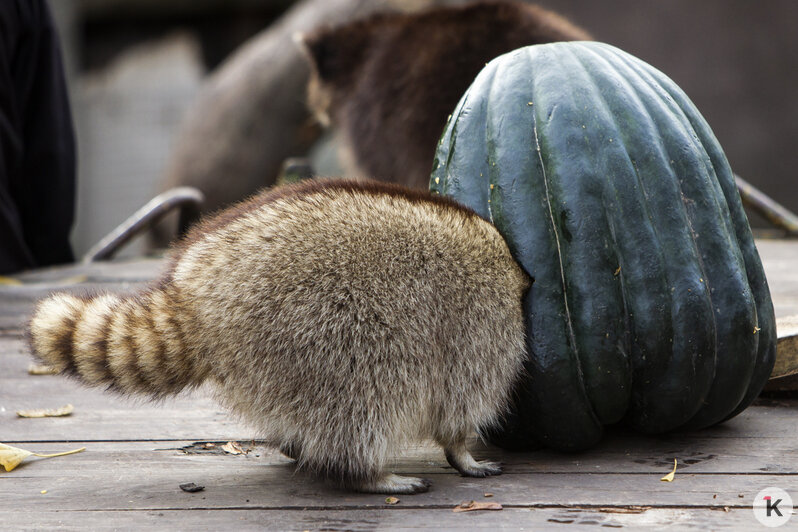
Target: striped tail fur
(133,344)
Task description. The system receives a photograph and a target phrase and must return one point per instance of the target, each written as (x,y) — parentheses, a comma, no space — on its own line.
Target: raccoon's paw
(395,484)
(481,469)
(465,464)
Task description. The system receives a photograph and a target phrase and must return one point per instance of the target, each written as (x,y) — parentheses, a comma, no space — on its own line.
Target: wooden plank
(114,424)
(618,454)
(17,301)
(532,518)
(245,484)
(787,359)
(779,258)
(100,415)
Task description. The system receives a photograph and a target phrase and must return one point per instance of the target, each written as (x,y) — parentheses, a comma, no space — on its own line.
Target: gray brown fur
(341,319)
(388,82)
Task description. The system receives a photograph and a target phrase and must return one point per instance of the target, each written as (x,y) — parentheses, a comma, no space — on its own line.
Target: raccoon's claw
(465,464)
(395,484)
(483,468)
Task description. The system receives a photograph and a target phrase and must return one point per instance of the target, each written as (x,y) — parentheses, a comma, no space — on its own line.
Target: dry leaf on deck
(669,476)
(391,500)
(42,369)
(51,412)
(11,457)
(233,447)
(472,506)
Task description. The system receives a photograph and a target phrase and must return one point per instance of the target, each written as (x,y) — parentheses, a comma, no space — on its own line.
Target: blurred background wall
(135,65)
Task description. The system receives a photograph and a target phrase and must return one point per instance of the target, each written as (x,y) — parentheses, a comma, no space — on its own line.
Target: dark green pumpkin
(649,303)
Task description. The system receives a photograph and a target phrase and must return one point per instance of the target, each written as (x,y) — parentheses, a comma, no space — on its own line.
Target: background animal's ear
(335,52)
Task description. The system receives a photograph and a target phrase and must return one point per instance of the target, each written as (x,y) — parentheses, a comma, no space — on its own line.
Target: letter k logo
(772,506)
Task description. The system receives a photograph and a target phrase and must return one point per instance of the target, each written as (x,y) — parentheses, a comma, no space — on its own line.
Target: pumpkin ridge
(589,269)
(727,390)
(732,370)
(452,142)
(489,134)
(764,317)
(556,238)
(703,357)
(651,422)
(557,375)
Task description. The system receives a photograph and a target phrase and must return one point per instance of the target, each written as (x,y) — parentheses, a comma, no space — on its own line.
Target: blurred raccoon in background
(389,81)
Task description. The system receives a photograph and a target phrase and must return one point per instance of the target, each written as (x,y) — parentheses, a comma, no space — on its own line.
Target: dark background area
(736,59)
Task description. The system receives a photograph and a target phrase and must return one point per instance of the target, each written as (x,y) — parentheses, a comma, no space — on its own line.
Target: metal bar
(188,199)
(763,204)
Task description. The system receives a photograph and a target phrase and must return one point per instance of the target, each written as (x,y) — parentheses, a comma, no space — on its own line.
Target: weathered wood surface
(17,300)
(561,518)
(780,258)
(137,454)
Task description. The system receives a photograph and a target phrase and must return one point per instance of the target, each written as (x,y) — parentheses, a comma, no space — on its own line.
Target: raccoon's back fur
(339,318)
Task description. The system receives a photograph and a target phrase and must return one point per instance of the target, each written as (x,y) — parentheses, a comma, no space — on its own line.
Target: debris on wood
(391,500)
(233,447)
(221,447)
(190,487)
(11,457)
(43,492)
(786,347)
(42,369)
(472,506)
(488,495)
(625,510)
(669,476)
(47,412)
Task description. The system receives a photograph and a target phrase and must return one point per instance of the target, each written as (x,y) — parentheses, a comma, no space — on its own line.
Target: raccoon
(341,318)
(388,82)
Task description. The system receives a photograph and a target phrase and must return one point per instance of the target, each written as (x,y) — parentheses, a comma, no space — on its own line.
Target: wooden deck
(138,454)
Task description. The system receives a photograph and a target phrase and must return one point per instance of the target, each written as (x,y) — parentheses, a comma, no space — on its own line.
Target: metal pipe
(763,204)
(188,199)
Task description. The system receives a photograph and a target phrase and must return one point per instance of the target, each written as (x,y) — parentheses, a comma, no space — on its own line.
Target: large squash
(649,303)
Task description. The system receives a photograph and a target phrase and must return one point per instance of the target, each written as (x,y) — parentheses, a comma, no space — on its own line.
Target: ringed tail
(131,344)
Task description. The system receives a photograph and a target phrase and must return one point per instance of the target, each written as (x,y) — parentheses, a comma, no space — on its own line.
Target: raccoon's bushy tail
(131,344)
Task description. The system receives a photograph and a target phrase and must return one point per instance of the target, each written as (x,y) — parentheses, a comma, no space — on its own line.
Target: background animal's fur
(389,81)
(338,318)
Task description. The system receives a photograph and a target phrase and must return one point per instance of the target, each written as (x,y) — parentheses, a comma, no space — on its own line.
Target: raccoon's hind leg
(372,480)
(393,484)
(459,458)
